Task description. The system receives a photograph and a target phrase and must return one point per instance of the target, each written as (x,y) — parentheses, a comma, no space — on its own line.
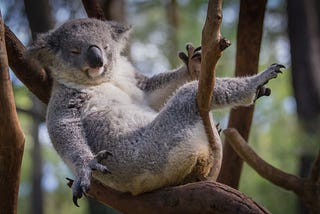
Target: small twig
(274,175)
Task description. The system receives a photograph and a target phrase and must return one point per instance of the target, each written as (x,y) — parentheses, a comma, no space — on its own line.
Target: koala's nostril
(95,57)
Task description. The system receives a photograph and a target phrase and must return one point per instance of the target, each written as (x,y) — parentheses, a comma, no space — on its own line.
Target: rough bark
(249,36)
(308,189)
(11,136)
(200,197)
(33,77)
(212,45)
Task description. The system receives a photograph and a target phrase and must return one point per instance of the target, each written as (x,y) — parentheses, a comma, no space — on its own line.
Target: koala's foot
(192,60)
(219,129)
(271,73)
(95,163)
(82,182)
(264,77)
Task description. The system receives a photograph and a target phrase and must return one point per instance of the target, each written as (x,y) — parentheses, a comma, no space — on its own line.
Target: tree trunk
(172,15)
(40,21)
(303,29)
(11,136)
(114,10)
(249,36)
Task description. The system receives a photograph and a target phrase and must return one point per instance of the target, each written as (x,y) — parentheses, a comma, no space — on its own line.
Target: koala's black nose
(94,56)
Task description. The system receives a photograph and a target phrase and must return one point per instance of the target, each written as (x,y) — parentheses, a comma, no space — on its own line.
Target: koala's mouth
(95,72)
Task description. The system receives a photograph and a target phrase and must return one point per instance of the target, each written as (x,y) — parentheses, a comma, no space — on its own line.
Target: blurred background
(285,130)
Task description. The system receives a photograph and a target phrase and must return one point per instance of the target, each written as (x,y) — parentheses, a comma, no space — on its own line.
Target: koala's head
(81,51)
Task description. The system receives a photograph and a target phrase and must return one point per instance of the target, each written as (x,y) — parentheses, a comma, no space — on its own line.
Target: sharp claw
(85,194)
(278,65)
(197,49)
(106,170)
(196,55)
(75,201)
(183,56)
(188,46)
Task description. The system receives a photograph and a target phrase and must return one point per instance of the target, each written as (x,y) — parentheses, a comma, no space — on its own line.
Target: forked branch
(307,189)
(212,45)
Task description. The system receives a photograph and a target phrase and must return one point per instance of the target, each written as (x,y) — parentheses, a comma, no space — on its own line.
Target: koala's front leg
(69,140)
(82,182)
(243,91)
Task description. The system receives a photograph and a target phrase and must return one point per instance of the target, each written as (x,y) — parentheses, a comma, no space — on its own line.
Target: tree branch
(211,47)
(199,197)
(32,76)
(93,9)
(274,175)
(11,136)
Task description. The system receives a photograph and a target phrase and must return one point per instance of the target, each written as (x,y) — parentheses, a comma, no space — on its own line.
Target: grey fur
(151,126)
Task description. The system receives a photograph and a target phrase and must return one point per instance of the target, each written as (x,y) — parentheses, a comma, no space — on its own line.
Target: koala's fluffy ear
(39,49)
(120,33)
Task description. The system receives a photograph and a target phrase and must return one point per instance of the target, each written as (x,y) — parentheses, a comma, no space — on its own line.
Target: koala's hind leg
(243,91)
(180,136)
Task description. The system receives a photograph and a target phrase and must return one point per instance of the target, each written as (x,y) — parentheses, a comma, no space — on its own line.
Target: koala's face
(81,51)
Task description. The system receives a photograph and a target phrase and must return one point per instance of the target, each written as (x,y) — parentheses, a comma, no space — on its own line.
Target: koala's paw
(192,60)
(81,185)
(82,182)
(262,91)
(95,163)
(271,73)
(219,129)
(264,77)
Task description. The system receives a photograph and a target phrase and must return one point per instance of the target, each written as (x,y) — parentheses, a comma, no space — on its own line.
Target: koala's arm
(68,137)
(160,87)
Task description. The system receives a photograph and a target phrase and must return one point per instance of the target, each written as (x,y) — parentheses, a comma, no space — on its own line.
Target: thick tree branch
(199,197)
(212,45)
(32,76)
(11,136)
(274,175)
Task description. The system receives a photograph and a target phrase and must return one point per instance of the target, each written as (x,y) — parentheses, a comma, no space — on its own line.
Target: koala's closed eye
(75,51)
(106,47)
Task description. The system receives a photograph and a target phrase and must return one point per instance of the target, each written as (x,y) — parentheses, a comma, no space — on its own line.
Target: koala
(131,132)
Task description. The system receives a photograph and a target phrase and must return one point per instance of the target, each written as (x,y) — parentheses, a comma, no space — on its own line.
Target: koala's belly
(142,163)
